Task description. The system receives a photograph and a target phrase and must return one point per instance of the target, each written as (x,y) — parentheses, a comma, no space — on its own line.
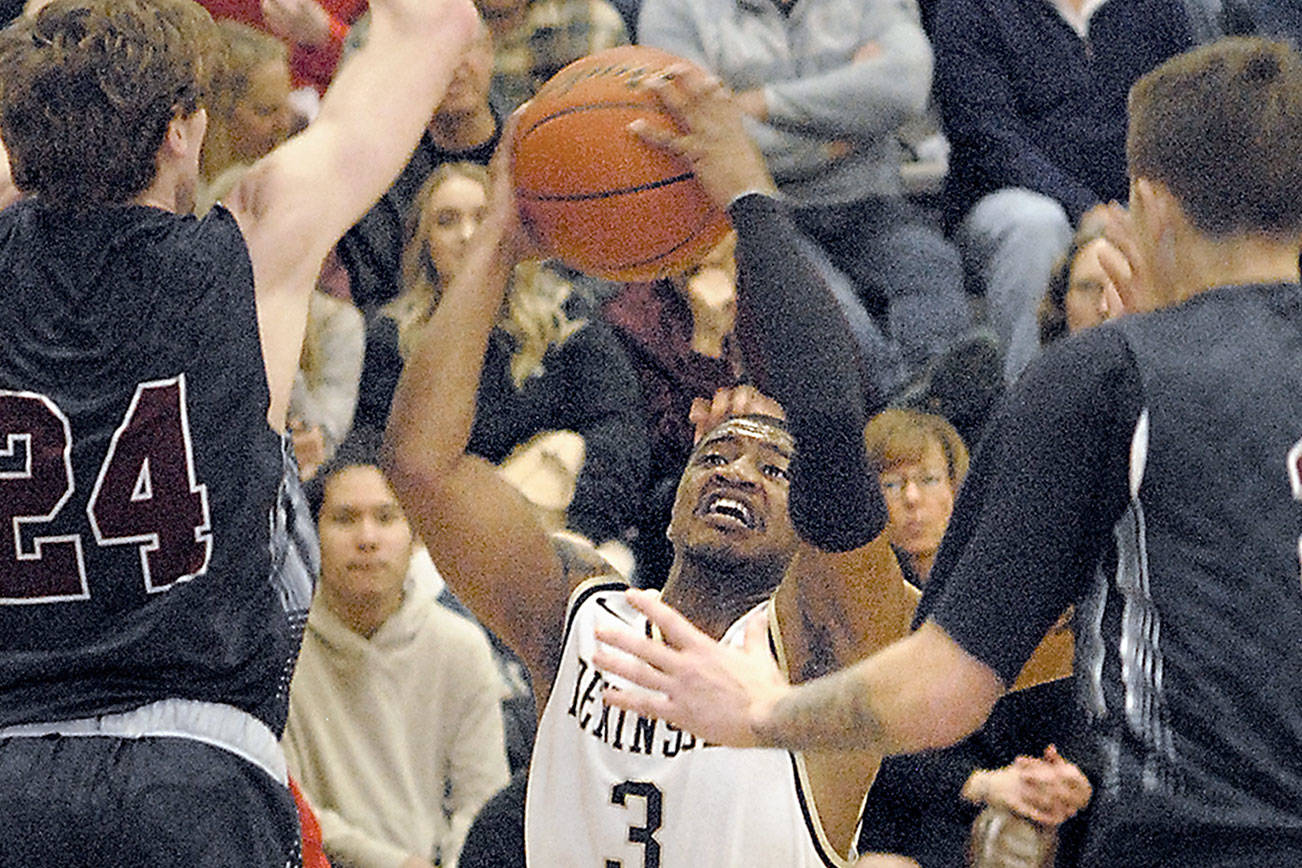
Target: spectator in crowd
(395,727)
(550,365)
(533,39)
(1080,294)
(825,85)
(921,462)
(1032,96)
(249,111)
(324,397)
(678,333)
(463,128)
(1281,19)
(314,31)
(923,806)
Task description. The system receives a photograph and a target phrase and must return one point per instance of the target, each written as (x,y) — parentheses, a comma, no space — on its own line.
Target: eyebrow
(735,439)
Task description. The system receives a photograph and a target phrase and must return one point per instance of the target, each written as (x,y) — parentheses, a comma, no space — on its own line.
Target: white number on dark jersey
(644,834)
(145,495)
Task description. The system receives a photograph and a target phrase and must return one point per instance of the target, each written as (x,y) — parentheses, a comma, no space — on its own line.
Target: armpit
(580,560)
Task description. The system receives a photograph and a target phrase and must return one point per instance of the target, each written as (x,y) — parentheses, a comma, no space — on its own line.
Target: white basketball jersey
(610,789)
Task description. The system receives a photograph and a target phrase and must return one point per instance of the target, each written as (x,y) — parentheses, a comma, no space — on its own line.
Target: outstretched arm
(921,692)
(298,200)
(788,320)
(485,538)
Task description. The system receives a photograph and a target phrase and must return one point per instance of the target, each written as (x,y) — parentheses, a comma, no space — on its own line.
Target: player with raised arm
(1150,471)
(607,788)
(153,583)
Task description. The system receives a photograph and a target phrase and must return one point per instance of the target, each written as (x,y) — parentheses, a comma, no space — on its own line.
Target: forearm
(920,693)
(440,379)
(791,326)
(864,98)
(320,183)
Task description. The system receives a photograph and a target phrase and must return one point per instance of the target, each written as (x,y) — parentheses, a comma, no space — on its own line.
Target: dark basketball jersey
(1191,643)
(145,504)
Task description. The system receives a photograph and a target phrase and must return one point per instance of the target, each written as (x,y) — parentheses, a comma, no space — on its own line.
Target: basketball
(593,194)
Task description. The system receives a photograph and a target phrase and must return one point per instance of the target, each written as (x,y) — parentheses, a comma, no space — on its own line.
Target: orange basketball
(593,194)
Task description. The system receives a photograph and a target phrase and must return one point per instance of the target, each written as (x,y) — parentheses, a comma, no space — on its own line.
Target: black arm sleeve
(801,353)
(1036,512)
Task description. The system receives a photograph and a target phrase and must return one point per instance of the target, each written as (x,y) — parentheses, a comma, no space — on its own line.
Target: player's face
(261,119)
(1086,301)
(453,212)
(919,499)
(732,498)
(365,540)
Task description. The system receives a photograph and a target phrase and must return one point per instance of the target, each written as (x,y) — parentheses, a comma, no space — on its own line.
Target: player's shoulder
(580,560)
(1090,363)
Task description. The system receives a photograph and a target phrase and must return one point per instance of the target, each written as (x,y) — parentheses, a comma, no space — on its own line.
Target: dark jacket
(1025,102)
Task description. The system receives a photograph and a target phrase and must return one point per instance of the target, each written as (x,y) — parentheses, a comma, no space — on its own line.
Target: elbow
(410,471)
(957,708)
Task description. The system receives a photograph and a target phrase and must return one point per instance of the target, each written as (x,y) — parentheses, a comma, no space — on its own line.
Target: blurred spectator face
(453,212)
(1085,304)
(365,542)
(468,91)
(919,499)
(261,117)
(502,15)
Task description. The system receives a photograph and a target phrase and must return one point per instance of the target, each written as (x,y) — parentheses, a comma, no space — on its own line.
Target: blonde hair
(898,436)
(533,313)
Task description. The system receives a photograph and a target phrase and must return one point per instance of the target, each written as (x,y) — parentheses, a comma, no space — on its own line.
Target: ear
(185,133)
(175,138)
(1161,210)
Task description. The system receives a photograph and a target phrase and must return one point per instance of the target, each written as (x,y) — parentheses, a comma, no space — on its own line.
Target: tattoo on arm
(831,713)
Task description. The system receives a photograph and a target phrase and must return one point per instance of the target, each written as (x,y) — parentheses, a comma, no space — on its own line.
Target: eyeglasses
(893,483)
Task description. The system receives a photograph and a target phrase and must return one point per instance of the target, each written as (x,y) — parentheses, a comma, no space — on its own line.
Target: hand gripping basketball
(595,195)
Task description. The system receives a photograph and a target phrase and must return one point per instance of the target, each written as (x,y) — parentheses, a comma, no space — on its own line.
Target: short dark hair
(1221,128)
(88,87)
(361,448)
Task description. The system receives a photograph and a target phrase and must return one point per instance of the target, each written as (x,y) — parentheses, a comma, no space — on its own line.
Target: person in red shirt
(313,29)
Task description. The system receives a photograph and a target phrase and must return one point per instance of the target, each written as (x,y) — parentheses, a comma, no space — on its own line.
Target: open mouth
(723,505)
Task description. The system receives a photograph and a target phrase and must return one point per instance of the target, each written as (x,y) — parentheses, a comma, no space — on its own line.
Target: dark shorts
(141,802)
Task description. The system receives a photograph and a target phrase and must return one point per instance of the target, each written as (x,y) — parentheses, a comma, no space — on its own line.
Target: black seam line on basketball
(606,194)
(577,109)
(662,254)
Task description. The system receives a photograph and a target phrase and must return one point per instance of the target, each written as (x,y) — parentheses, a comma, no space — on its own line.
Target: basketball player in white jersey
(609,789)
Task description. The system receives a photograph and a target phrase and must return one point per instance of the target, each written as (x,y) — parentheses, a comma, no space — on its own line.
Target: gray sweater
(830,135)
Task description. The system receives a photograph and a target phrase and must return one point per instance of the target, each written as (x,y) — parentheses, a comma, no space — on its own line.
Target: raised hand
(725,160)
(1124,263)
(714,691)
(302,22)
